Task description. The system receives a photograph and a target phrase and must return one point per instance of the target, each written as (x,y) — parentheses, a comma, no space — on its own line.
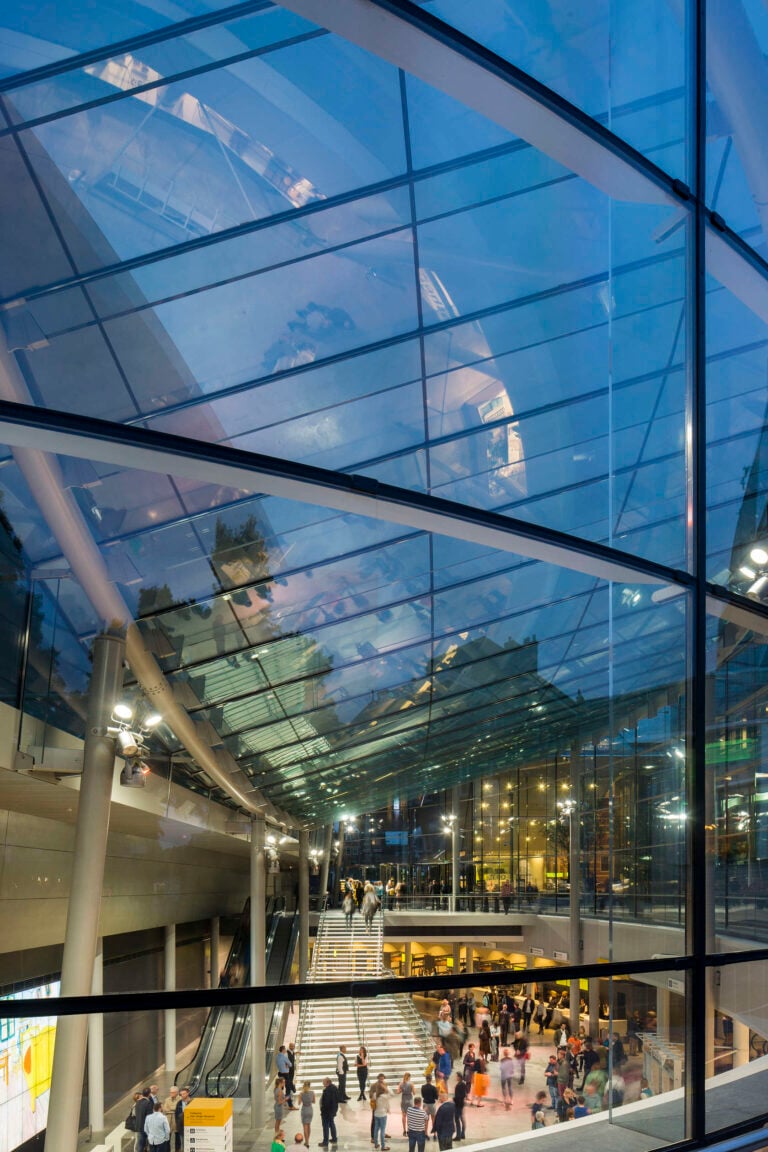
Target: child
(538,1121)
(580,1108)
(538,1105)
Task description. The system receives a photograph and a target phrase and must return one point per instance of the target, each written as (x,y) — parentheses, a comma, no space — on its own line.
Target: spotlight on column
(134,774)
(129,744)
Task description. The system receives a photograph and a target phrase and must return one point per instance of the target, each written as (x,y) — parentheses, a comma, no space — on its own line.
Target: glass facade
(399,385)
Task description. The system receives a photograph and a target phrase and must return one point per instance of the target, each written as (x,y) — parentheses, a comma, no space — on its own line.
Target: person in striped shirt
(416,1119)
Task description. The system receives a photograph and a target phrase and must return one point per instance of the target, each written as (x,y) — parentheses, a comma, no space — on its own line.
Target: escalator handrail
(215,1073)
(203,1049)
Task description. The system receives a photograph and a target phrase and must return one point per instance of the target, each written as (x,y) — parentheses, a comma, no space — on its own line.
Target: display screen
(26,1060)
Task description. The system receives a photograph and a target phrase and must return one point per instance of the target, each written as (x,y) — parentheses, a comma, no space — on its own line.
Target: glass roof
(230,224)
(325,652)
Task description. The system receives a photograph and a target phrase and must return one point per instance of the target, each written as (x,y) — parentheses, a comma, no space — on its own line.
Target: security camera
(134,774)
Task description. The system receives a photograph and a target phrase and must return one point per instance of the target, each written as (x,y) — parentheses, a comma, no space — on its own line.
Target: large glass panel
(624,66)
(33,35)
(737,1043)
(737,81)
(737,338)
(737,757)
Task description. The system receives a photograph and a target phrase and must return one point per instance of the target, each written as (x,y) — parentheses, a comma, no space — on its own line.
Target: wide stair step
(389,1026)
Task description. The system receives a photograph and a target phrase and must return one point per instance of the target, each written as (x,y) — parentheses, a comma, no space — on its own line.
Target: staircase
(389,1026)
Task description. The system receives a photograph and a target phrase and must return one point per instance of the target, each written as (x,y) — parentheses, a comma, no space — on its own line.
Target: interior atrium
(383,496)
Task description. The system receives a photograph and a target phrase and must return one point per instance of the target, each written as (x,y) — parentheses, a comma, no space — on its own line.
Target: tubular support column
(575,947)
(169,955)
(87,881)
(215,946)
(258,973)
(96,1047)
(594,1010)
(408,954)
(326,863)
(469,957)
(455,851)
(303,905)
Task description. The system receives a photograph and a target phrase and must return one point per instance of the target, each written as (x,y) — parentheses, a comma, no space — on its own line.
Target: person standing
(405,1088)
(284,1070)
(329,1106)
(181,1107)
(290,1079)
(142,1109)
(550,1076)
(169,1108)
(157,1130)
(380,1116)
(529,1007)
(416,1119)
(307,1100)
(429,1099)
(342,1067)
(445,1123)
(460,1100)
(506,1071)
(541,1013)
(361,1066)
(469,1069)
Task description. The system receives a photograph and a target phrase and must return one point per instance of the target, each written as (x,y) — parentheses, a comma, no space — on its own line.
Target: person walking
(416,1119)
(361,1067)
(506,1072)
(279,1097)
(370,906)
(329,1106)
(307,1100)
(529,1007)
(541,1013)
(348,908)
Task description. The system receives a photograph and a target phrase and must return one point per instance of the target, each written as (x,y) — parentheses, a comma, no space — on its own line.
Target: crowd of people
(582,1075)
(155,1122)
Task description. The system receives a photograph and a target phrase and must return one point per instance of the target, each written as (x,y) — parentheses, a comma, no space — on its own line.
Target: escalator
(222,1022)
(228,1076)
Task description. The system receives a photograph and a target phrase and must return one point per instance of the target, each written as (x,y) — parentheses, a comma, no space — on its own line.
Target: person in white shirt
(157,1130)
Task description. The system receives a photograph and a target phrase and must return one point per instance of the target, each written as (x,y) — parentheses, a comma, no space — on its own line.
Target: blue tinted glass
(737,42)
(623,64)
(265,136)
(33,35)
(154,65)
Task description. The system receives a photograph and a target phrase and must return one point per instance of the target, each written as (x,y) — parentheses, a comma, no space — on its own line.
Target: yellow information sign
(207,1112)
